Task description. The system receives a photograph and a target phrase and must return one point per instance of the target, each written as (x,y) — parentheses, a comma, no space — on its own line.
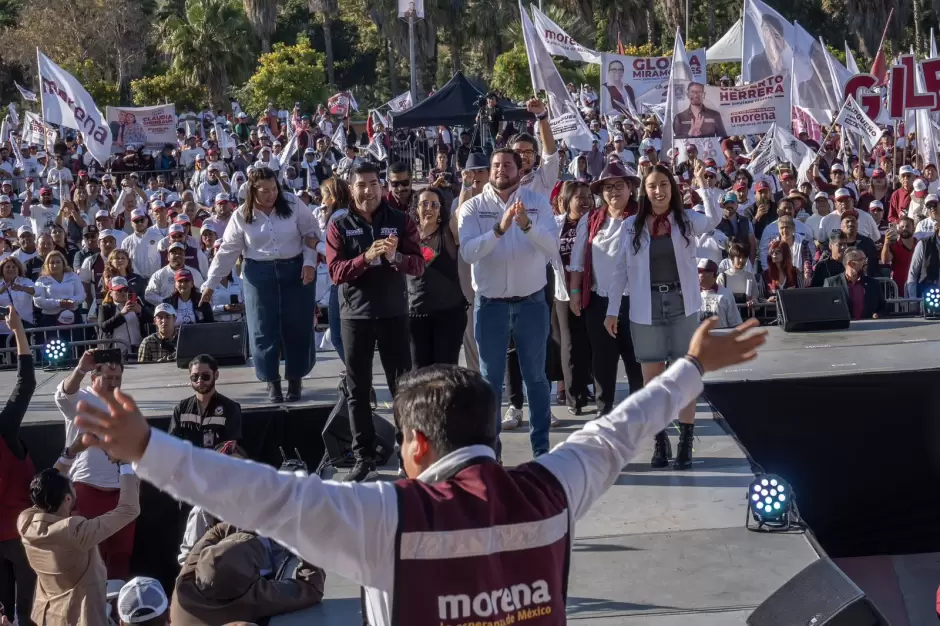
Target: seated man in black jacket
(206,418)
(831,262)
(863,293)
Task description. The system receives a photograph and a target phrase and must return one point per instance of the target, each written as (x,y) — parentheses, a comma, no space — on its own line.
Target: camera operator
(17,579)
(492,113)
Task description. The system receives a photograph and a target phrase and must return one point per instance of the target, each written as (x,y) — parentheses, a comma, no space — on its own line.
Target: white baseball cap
(920,185)
(821,195)
(879,204)
(168,309)
(210,227)
(907,169)
(221,197)
(142,599)
(176,228)
(842,192)
(5,200)
(102,213)
(22,230)
(932,198)
(106,232)
(138,213)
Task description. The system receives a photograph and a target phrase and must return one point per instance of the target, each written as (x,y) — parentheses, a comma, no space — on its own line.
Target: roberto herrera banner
(635,83)
(710,111)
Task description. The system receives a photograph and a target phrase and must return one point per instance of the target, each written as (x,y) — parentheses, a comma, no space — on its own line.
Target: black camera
(481,102)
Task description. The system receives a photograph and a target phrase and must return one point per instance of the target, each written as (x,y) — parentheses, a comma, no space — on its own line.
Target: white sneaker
(512,419)
(555,422)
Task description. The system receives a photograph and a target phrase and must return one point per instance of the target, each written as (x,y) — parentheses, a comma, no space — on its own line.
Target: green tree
(262,14)
(103,91)
(286,75)
(511,74)
(169,87)
(210,45)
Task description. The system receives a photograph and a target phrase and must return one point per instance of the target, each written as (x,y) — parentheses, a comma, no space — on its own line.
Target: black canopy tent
(454,104)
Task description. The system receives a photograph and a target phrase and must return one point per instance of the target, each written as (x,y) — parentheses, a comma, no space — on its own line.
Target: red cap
(761,186)
(740,186)
(786,176)
(850,213)
(183,274)
(879,173)
(710,162)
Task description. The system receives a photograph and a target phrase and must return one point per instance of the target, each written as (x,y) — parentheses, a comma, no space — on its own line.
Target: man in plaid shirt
(161,345)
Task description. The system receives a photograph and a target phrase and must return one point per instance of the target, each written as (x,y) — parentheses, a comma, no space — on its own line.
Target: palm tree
(209,44)
(327,10)
(262,14)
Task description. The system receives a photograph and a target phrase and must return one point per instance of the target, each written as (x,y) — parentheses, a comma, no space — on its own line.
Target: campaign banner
(766,43)
(558,42)
(66,103)
(631,85)
(339,104)
(853,119)
(409,8)
(138,127)
(708,148)
(563,114)
(34,131)
(400,103)
(712,111)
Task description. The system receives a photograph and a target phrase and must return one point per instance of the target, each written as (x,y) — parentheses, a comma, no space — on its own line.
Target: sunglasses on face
(204,377)
(399,183)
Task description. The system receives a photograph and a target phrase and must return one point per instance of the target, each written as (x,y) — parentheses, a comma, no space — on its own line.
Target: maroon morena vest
(487,545)
(191,258)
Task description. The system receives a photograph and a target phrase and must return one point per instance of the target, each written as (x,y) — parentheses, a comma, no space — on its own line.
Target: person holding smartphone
(228,301)
(17,579)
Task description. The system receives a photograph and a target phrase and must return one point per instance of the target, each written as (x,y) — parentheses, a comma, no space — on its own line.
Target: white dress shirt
(512,265)
(351,528)
(542,180)
(162,284)
(605,249)
(91,467)
(49,291)
(21,301)
(633,268)
(222,296)
(267,238)
(142,249)
(832,223)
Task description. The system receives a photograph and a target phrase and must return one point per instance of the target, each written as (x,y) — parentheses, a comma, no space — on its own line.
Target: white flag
(564,117)
(377,148)
(34,130)
(926,146)
(765,42)
(66,103)
(558,42)
(339,138)
(26,93)
(850,63)
(378,118)
(20,163)
(679,78)
(400,103)
(788,148)
(933,45)
(288,151)
(764,160)
(13,116)
(853,118)
(802,172)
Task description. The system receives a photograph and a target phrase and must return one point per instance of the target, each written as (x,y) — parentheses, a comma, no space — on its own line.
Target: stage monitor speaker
(226,342)
(337,436)
(820,595)
(813,308)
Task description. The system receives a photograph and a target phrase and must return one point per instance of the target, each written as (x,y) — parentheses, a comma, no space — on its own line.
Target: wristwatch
(527,228)
(398,258)
(499,231)
(66,454)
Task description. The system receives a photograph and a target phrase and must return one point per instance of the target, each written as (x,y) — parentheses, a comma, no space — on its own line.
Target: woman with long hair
(187,301)
(657,260)
(59,292)
(597,254)
(16,291)
(121,316)
(780,272)
(802,249)
(336,198)
(437,307)
(119,264)
(272,230)
(62,244)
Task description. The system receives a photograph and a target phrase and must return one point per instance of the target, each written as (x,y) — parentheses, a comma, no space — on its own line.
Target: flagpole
(411,55)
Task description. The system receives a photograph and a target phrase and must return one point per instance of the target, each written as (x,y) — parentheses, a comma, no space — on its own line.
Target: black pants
(575,352)
(607,350)
(360,337)
(436,338)
(17,581)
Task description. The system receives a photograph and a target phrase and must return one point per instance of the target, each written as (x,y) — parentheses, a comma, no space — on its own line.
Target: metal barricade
(75,336)
(897,304)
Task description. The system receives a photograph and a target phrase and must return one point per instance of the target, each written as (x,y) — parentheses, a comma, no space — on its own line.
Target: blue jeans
(336,333)
(280,309)
(526,321)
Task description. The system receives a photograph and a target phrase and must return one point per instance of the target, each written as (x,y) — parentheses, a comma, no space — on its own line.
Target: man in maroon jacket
(901,198)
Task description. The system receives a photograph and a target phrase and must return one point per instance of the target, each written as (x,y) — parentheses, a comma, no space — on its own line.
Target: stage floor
(885,345)
(661,548)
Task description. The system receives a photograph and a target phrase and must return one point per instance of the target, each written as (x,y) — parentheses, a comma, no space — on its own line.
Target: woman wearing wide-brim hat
(596,254)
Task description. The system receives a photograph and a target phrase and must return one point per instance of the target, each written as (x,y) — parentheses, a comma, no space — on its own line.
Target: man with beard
(399,184)
(508,236)
(697,120)
(899,250)
(539,179)
(207,418)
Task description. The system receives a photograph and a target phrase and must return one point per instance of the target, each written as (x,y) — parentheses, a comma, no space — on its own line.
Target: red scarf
(661,225)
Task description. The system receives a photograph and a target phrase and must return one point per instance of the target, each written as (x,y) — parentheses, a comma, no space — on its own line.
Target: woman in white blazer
(658,263)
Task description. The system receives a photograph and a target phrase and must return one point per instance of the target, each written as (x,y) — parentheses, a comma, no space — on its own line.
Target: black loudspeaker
(226,342)
(337,436)
(813,308)
(819,595)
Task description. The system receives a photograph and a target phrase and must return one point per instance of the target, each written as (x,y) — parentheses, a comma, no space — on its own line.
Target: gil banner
(631,85)
(709,111)
(138,127)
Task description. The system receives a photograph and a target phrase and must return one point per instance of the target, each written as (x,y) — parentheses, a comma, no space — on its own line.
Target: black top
(221,421)
(12,414)
(826,268)
(874,298)
(438,289)
(566,240)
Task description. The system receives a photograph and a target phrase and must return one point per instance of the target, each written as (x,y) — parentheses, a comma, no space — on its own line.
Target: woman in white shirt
(228,299)
(658,262)
(59,292)
(593,260)
(16,291)
(276,235)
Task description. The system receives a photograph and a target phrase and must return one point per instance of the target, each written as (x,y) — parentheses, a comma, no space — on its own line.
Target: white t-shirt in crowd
(91,467)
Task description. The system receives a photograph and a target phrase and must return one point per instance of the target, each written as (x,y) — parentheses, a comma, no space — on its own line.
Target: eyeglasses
(615,187)
(525,152)
(424,204)
(204,377)
(400,183)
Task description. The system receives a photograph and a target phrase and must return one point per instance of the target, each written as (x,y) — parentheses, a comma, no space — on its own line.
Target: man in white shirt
(210,188)
(141,245)
(190,153)
(222,212)
(325,125)
(345,166)
(7,215)
(96,478)
(105,222)
(508,235)
(163,282)
(363,532)
(59,178)
(621,151)
(926,226)
(27,241)
(42,215)
(161,220)
(832,223)
(821,208)
(540,179)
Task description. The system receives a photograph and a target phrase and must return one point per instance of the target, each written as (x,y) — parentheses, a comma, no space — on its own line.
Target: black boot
(684,454)
(294,388)
(275,394)
(662,451)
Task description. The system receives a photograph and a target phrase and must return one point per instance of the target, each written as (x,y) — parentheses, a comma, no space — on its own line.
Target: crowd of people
(538,265)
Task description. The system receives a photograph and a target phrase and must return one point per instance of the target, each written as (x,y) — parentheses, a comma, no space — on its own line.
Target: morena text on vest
(513,603)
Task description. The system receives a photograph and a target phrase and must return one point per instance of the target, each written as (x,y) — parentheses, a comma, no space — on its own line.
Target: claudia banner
(630,85)
(711,111)
(137,127)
